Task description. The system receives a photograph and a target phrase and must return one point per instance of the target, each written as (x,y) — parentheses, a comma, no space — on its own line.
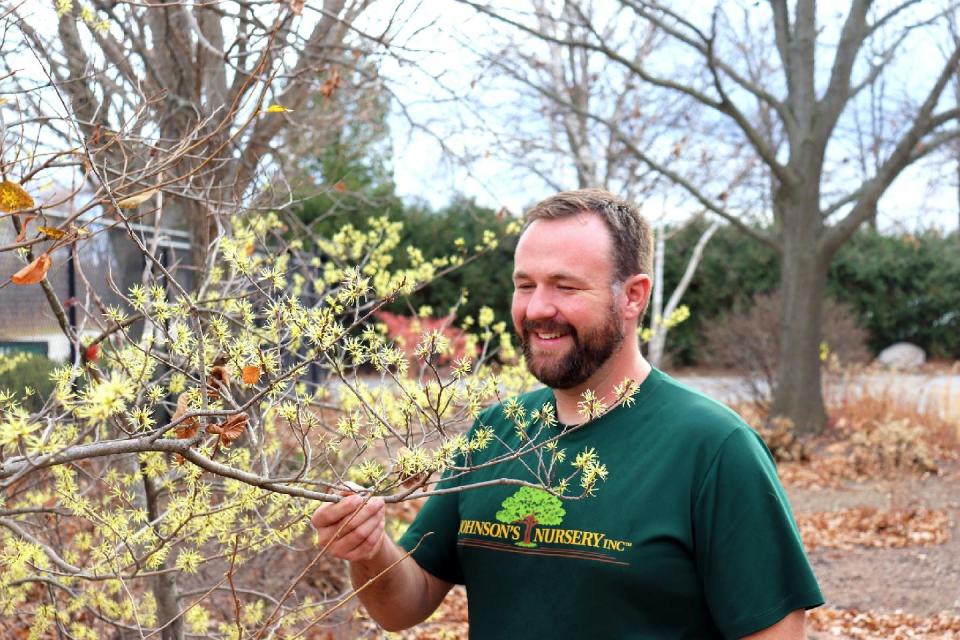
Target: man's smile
(547,335)
(548,340)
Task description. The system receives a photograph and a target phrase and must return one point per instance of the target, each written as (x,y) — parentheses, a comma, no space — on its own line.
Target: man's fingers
(369,545)
(362,531)
(347,541)
(348,523)
(328,515)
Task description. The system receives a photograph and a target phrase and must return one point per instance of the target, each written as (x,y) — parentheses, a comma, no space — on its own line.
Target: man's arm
(792,627)
(402,597)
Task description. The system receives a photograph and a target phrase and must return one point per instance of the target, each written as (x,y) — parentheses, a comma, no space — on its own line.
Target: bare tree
(782,81)
(662,316)
(173,96)
(557,127)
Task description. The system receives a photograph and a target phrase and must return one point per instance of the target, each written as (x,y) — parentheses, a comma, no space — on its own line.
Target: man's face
(564,309)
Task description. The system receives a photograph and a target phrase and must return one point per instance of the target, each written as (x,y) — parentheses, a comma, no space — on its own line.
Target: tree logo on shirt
(530,507)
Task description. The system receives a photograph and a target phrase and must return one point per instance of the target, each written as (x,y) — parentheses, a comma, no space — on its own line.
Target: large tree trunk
(798,394)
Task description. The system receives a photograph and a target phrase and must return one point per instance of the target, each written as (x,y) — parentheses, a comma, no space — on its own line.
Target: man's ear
(636,290)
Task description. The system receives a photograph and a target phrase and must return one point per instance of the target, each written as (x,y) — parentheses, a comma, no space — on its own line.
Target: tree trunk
(164,588)
(529,523)
(163,585)
(658,343)
(659,339)
(798,394)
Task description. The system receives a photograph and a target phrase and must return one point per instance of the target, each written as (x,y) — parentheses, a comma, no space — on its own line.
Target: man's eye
(523,287)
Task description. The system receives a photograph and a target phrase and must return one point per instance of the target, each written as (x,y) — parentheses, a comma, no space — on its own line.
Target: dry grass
(879,427)
(856,397)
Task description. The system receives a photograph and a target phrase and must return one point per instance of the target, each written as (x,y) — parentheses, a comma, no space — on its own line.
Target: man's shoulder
(690,413)
(700,430)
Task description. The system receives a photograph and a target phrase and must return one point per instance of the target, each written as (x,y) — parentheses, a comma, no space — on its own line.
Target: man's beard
(588,353)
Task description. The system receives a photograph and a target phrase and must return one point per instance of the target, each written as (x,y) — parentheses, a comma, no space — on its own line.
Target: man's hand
(397,599)
(355,527)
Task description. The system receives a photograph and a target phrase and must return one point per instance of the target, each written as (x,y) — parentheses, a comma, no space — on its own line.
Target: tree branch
(837,94)
(903,154)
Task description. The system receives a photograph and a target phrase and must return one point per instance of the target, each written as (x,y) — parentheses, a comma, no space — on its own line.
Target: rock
(902,355)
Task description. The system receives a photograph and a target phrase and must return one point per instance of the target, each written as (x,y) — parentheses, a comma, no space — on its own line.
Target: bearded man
(690,536)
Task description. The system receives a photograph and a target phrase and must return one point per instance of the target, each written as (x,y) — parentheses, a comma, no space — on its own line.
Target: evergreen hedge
(904,287)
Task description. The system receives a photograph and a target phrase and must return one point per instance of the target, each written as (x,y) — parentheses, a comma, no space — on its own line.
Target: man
(690,536)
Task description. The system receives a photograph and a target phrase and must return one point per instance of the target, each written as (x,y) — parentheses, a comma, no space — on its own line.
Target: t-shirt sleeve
(435,529)
(748,549)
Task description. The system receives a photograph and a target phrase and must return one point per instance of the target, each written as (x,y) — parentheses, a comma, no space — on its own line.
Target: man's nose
(540,306)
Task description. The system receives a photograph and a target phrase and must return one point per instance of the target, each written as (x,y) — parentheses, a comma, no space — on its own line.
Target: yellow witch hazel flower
(14,426)
(482,437)
(545,414)
(485,317)
(411,462)
(678,316)
(105,398)
(625,391)
(368,472)
(591,406)
(591,470)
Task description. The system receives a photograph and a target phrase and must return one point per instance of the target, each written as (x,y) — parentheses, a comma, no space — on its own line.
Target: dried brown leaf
(134,201)
(331,84)
(23,228)
(34,272)
(231,429)
(217,377)
(870,527)
(872,625)
(188,428)
(251,374)
(52,232)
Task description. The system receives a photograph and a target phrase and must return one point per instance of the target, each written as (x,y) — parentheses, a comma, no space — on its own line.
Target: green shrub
(903,288)
(22,371)
(733,270)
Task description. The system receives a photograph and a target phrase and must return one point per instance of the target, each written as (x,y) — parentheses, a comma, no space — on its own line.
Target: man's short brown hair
(631,234)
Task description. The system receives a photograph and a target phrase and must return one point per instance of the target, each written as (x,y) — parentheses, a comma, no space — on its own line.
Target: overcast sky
(924,196)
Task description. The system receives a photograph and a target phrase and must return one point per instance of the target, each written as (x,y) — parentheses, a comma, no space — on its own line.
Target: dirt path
(920,580)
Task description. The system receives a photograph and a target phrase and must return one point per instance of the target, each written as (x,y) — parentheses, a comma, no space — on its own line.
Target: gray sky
(925,195)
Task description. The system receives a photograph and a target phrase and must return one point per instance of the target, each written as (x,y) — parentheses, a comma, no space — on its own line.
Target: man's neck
(602,383)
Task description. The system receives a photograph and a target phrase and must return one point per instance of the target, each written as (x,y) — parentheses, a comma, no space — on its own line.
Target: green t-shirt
(690,536)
